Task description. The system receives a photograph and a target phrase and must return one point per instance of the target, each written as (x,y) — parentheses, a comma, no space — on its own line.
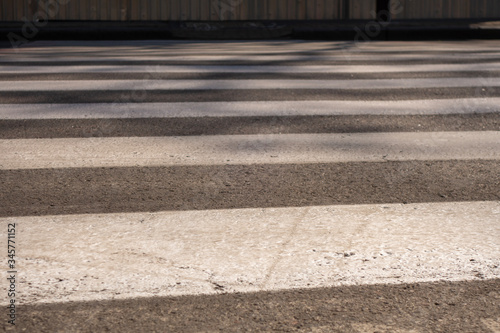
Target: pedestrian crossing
(167,168)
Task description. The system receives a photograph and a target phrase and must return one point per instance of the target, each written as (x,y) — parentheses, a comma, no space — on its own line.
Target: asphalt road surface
(172,186)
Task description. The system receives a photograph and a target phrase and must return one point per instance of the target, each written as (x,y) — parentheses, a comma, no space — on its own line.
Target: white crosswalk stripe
(266,194)
(243,249)
(248,149)
(146,85)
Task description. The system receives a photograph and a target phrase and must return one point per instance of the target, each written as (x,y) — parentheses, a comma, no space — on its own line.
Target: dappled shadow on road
(201,91)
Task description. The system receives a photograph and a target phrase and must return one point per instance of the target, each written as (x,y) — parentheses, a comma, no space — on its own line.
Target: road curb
(362,30)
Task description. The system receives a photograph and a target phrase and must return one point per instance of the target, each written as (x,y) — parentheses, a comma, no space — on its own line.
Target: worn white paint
(248,109)
(145,85)
(150,70)
(247,149)
(106,256)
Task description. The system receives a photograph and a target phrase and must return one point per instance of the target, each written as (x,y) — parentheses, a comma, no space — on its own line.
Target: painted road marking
(193,68)
(144,85)
(247,149)
(247,109)
(240,250)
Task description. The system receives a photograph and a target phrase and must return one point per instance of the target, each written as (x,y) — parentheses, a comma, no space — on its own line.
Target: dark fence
(447,9)
(217,10)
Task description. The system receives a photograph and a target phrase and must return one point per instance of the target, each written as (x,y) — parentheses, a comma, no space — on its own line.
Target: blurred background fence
(446,9)
(217,10)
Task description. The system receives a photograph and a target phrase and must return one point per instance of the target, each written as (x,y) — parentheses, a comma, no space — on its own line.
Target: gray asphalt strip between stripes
(228,125)
(257,95)
(38,192)
(238,76)
(404,308)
